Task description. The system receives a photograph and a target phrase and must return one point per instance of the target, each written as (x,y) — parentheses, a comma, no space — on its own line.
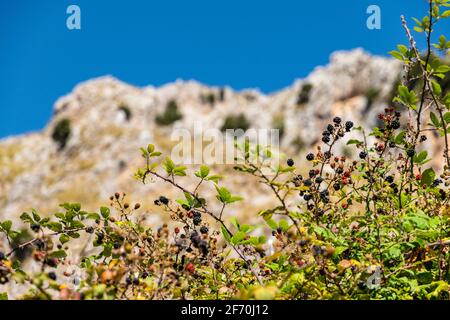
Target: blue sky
(241,43)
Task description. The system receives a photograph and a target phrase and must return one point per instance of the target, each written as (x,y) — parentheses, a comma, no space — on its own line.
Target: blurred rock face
(89,149)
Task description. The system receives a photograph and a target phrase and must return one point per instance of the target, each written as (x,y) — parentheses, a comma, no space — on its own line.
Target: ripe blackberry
(307,182)
(129,280)
(435,183)
(116,245)
(2,256)
(197,220)
(312,173)
(135,281)
(330,128)
(395,124)
(423,138)
(327,154)
(410,152)
(319,180)
(363,154)
(52,275)
(391,144)
(348,125)
(337,186)
(326,139)
(196,214)
(90,230)
(164,200)
(326,133)
(337,120)
(290,162)
(307,197)
(204,230)
(310,157)
(35,227)
(390,179)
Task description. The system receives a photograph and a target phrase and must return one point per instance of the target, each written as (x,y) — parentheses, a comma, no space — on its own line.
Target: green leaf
(3,296)
(399,139)
(25,217)
(93,216)
(169,166)
(272,224)
(214,178)
(354,141)
(6,225)
(150,148)
(224,194)
(54,226)
(445,14)
(36,217)
(226,234)
(64,238)
(420,157)
(436,87)
(447,117)
(204,171)
(284,225)
(435,120)
(396,55)
(238,237)
(105,212)
(428,177)
(59,254)
(180,171)
(76,207)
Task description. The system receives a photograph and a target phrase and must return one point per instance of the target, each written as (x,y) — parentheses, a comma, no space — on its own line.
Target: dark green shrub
(371,95)
(170,115)
(61,133)
(208,98)
(303,96)
(236,122)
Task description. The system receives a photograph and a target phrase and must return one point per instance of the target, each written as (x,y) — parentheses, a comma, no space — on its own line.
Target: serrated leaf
(226,235)
(64,238)
(105,212)
(6,225)
(428,177)
(238,237)
(434,120)
(354,141)
(59,254)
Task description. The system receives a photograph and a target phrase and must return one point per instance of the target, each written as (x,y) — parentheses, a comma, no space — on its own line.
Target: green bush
(303,96)
(61,133)
(170,115)
(235,122)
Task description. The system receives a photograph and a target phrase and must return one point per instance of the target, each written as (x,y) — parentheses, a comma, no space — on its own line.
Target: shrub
(373,227)
(61,133)
(236,122)
(371,95)
(170,115)
(208,98)
(303,96)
